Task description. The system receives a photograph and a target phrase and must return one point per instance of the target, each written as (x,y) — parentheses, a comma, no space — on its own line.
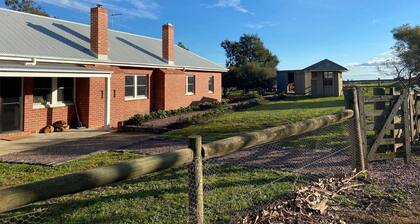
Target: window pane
(65,89)
(211,84)
(328,78)
(142,80)
(191,84)
(129,91)
(129,80)
(129,86)
(141,91)
(42,90)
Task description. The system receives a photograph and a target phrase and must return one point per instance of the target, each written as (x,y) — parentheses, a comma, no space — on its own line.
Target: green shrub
(139,119)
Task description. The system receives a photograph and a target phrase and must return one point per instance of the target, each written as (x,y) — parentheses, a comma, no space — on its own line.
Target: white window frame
(186,85)
(135,96)
(54,96)
(212,79)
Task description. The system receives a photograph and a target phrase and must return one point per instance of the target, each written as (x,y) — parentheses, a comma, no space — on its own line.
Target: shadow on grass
(97,206)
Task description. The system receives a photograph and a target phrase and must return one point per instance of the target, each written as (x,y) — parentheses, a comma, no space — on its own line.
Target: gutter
(30,59)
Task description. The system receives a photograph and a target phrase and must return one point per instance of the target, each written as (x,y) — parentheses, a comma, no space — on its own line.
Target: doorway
(10,104)
(290,82)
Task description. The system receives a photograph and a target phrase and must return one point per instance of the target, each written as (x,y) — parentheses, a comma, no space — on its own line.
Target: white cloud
(378,60)
(369,69)
(260,25)
(132,8)
(234,4)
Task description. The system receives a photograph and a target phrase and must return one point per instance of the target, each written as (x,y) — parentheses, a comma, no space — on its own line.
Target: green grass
(263,116)
(163,197)
(158,198)
(14,174)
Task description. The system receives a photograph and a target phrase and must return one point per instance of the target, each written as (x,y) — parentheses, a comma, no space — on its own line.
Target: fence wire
(243,182)
(234,185)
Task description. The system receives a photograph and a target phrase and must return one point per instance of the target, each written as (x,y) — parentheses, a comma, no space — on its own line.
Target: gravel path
(305,161)
(62,152)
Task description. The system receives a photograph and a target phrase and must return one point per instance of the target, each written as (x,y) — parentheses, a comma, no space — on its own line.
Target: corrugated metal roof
(325,65)
(25,34)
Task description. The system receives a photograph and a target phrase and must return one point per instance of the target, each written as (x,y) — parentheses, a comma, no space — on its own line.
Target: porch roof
(65,71)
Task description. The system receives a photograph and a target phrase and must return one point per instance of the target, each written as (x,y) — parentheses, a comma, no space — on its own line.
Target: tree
(251,65)
(407,53)
(249,48)
(181,45)
(28,6)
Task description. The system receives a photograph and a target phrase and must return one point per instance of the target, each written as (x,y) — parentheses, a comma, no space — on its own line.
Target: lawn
(263,116)
(163,197)
(157,198)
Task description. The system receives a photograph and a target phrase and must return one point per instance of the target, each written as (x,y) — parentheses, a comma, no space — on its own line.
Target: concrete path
(57,148)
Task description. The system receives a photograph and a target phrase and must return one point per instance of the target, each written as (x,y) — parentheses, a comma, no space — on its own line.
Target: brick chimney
(99,31)
(168,43)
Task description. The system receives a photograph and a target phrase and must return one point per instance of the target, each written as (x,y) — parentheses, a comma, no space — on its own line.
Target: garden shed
(324,78)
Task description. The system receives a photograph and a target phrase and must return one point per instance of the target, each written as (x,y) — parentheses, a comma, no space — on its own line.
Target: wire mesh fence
(254,177)
(235,185)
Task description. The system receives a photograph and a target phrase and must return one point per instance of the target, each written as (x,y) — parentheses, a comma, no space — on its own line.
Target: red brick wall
(174,88)
(166,91)
(36,119)
(121,109)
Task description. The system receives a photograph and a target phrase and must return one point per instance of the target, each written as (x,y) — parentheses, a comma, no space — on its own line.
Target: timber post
(380,106)
(356,135)
(196,200)
(407,125)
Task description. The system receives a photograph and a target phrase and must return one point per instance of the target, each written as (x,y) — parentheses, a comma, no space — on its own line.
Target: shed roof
(325,65)
(28,35)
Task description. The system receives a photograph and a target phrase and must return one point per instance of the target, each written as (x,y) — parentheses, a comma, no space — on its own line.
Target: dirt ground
(392,195)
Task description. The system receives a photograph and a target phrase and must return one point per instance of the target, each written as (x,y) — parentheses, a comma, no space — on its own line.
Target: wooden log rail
(18,196)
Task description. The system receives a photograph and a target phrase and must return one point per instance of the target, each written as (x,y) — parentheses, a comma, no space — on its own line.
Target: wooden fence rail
(18,196)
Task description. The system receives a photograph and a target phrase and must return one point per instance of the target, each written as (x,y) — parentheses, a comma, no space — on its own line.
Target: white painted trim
(28,58)
(54,92)
(53,74)
(107,102)
(134,99)
(22,104)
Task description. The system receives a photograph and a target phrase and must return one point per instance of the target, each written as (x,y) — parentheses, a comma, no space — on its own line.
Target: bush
(243,97)
(197,119)
(139,119)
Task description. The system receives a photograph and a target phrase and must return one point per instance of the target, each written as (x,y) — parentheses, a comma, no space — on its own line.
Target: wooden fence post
(356,134)
(378,120)
(196,201)
(407,125)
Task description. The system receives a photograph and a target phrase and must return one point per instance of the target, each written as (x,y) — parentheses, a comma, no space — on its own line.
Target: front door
(10,104)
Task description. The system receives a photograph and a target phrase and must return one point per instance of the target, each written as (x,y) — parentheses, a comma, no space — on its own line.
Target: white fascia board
(53,74)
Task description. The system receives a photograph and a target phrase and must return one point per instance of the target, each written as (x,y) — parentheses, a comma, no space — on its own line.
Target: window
(136,86)
(65,90)
(328,78)
(42,90)
(211,84)
(53,91)
(190,85)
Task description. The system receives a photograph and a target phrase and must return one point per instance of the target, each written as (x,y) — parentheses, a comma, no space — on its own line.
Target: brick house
(53,70)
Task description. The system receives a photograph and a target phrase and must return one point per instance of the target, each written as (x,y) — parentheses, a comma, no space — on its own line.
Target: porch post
(107,102)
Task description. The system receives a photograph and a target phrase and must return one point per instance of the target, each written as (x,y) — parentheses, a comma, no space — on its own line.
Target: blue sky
(354,33)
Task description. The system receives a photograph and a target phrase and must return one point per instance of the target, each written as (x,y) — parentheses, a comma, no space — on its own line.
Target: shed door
(328,80)
(10,104)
